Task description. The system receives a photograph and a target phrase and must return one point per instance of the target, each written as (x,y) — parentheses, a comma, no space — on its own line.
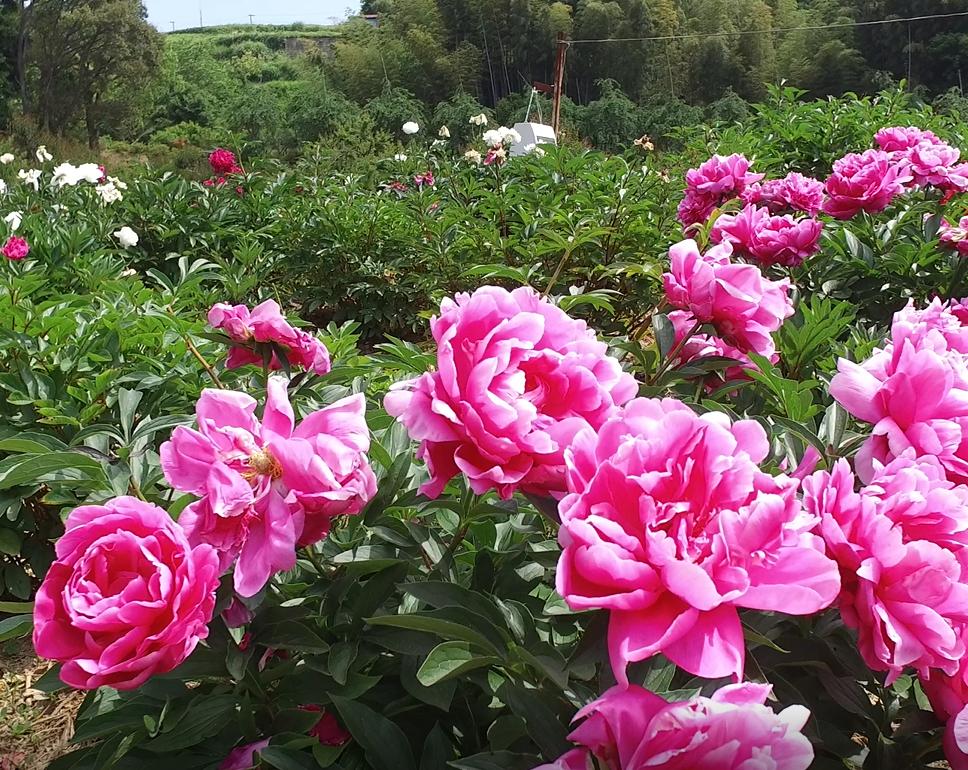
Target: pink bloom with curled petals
(16,248)
(671,526)
(948,695)
(744,306)
(266,487)
(425,179)
(770,240)
(128,596)
(867,181)
(794,193)
(914,391)
(903,138)
(700,346)
(265,324)
(632,728)
(719,179)
(936,165)
(902,594)
(955,236)
(516,379)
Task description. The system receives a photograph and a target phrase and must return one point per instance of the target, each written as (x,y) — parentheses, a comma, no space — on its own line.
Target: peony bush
(719,524)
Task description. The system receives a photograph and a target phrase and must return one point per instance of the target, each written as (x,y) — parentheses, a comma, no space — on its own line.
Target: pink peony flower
(516,379)
(16,248)
(771,240)
(903,595)
(948,695)
(936,165)
(671,526)
(223,162)
(243,757)
(127,598)
(868,181)
(794,193)
(716,181)
(700,346)
(955,237)
(743,305)
(900,138)
(265,324)
(914,392)
(328,731)
(425,179)
(627,729)
(266,487)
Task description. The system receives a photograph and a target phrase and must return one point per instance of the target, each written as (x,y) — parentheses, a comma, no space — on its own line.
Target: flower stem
(205,364)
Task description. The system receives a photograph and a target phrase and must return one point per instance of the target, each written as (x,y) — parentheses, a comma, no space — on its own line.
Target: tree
(91,57)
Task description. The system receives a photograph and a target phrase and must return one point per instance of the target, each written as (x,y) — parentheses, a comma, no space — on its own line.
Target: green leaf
(15,626)
(496,760)
(665,333)
(384,743)
(287,759)
(16,608)
(448,660)
(10,542)
(437,749)
(203,718)
(32,468)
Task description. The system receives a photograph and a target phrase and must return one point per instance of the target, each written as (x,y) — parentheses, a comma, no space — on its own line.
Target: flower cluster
(671,525)
(733,729)
(914,391)
(932,162)
(716,181)
(792,194)
(516,380)
(265,487)
(743,306)
(867,181)
(263,333)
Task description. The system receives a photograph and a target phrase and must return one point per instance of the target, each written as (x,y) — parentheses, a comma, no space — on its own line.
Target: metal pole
(559,83)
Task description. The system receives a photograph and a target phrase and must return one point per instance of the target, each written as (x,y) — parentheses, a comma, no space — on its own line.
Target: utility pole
(250,19)
(172,25)
(200,22)
(559,83)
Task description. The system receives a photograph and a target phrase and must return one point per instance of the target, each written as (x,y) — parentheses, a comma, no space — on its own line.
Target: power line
(773,30)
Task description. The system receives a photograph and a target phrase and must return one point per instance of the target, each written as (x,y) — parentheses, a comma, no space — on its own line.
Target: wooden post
(559,83)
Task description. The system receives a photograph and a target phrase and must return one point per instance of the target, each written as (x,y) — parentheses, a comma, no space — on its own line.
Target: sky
(185,12)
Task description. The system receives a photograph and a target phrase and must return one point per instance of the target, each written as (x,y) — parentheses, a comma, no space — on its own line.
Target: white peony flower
(42,155)
(108,192)
(473,156)
(6,158)
(538,152)
(444,132)
(400,157)
(121,185)
(410,127)
(31,177)
(3,187)
(129,272)
(478,120)
(499,137)
(126,237)
(14,219)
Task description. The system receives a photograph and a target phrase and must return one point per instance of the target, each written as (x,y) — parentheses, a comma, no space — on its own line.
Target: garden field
(443,458)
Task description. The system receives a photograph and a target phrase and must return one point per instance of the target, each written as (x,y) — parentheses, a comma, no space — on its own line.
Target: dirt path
(34,727)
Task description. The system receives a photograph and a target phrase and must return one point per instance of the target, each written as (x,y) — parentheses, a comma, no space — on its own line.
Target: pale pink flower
(127,598)
(955,236)
(901,138)
(936,165)
(671,525)
(794,193)
(867,181)
(628,729)
(770,240)
(265,487)
(903,595)
(744,306)
(516,379)
(263,325)
(719,179)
